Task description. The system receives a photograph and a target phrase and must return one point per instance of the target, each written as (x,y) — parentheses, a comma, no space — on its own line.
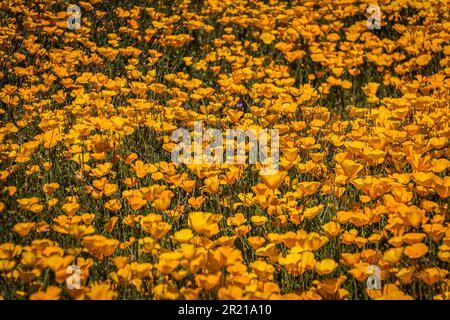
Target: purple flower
(239,105)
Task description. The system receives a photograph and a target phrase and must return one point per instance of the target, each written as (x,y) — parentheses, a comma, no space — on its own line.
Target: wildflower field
(92,205)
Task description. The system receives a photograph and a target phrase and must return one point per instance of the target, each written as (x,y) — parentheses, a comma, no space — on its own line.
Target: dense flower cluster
(85,141)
